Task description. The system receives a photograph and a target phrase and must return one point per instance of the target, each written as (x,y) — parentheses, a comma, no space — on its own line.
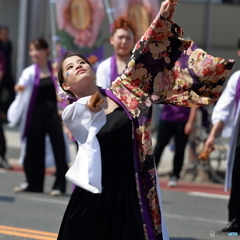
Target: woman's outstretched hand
(168,8)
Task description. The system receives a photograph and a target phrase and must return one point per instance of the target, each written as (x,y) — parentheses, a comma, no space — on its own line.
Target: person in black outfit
(3,161)
(7,81)
(42,118)
(175,122)
(221,117)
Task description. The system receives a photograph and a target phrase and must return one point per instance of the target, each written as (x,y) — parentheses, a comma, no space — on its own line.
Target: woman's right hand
(95,103)
(19,88)
(167,8)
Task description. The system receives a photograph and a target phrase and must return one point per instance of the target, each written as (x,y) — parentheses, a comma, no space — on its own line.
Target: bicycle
(215,165)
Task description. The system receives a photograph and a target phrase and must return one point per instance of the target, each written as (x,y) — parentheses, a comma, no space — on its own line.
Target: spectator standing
(175,122)
(226,119)
(7,93)
(123,37)
(3,149)
(36,106)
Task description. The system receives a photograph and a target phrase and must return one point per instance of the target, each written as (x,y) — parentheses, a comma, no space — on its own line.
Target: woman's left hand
(167,8)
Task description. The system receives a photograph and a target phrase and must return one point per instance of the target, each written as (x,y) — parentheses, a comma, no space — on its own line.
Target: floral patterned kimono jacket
(164,68)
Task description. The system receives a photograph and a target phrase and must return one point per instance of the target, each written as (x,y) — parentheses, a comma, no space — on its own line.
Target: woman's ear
(239,52)
(111,40)
(65,87)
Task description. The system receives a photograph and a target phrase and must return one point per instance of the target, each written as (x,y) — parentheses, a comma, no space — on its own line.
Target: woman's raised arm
(165,68)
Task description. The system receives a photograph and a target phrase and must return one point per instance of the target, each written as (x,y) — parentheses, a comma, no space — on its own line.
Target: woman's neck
(43,64)
(122,62)
(85,91)
(124,58)
(44,70)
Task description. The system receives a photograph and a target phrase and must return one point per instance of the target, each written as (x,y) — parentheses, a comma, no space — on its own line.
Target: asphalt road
(191,211)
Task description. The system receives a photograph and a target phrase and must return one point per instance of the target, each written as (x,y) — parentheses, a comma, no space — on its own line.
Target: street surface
(191,211)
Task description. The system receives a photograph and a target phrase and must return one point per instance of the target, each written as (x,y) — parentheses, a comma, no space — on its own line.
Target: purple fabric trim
(146,216)
(114,72)
(34,95)
(237,93)
(113,97)
(32,100)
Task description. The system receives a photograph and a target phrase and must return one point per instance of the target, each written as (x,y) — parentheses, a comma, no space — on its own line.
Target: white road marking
(193,218)
(208,195)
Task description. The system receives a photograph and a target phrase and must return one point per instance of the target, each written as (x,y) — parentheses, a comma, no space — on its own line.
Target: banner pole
(109,11)
(53,27)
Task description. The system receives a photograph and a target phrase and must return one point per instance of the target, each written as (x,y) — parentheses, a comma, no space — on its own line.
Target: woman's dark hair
(39,44)
(238,44)
(60,70)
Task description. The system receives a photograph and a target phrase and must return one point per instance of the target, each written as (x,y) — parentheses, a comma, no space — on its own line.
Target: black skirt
(115,213)
(111,215)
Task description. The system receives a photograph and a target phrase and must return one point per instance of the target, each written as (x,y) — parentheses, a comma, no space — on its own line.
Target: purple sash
(114,72)
(144,204)
(34,95)
(237,93)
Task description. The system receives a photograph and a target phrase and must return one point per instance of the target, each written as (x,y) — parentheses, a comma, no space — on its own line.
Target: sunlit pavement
(191,211)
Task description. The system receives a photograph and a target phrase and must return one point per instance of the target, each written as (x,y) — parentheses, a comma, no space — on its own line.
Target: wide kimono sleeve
(18,108)
(84,125)
(165,68)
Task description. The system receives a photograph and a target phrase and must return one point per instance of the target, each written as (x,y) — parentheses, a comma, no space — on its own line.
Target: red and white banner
(141,12)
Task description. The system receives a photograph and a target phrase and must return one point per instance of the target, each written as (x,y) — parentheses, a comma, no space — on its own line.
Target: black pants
(2,141)
(34,161)
(234,201)
(7,86)
(165,131)
(2,137)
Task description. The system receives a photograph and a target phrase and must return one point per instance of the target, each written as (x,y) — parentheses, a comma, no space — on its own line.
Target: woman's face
(38,56)
(122,41)
(78,76)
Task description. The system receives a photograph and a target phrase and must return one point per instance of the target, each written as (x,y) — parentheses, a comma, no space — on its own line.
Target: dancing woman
(117,195)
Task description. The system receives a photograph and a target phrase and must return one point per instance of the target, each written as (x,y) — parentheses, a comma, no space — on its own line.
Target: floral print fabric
(164,68)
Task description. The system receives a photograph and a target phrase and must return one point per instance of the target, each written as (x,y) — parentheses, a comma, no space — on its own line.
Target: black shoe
(4,163)
(232,226)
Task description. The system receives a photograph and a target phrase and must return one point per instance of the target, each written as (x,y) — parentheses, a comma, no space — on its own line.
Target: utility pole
(53,27)
(22,37)
(109,11)
(208,26)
